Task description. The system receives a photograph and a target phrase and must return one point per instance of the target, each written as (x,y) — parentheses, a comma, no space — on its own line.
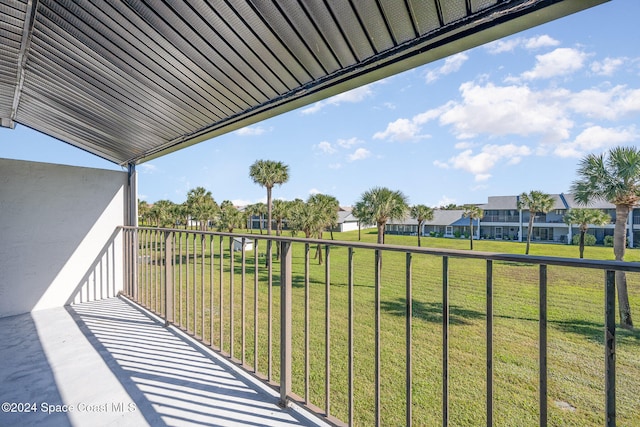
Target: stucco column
(132,196)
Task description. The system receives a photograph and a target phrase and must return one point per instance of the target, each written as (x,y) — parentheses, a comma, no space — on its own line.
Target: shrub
(589,239)
(456,234)
(608,241)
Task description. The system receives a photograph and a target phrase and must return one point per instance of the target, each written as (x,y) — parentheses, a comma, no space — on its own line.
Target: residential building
(502,220)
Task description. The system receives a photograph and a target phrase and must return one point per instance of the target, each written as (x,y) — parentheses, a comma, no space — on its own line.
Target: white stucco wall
(60,241)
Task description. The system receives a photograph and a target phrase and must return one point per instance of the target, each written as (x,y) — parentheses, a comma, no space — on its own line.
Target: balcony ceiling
(132,80)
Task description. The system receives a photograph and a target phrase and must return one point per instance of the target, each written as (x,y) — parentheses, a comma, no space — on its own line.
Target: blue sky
(511,116)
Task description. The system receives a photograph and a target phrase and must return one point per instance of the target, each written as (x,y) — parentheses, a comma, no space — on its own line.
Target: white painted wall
(59,238)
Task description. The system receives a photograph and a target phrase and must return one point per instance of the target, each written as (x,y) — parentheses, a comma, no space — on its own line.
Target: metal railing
(190,278)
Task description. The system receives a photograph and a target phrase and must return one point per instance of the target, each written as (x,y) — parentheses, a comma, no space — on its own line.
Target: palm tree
(143,211)
(534,201)
(380,205)
(202,207)
(257,209)
(294,225)
(472,212)
(359,214)
(230,217)
(267,174)
(280,212)
(584,218)
(306,218)
(421,213)
(615,178)
(162,212)
(326,209)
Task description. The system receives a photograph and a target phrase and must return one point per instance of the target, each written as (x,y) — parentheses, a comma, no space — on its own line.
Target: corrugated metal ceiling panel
(130,80)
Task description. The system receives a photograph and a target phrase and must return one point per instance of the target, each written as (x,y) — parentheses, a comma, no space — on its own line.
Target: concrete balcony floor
(113,364)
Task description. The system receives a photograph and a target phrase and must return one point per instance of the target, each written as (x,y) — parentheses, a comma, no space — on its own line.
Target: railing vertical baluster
(168,281)
(256,259)
(307,332)
(202,261)
(242,300)
(378,278)
(156,272)
(269,311)
(327,333)
(180,298)
(610,347)
(142,259)
(211,280)
(231,297)
(134,265)
(350,285)
(159,272)
(285,321)
(221,296)
(543,346)
(408,331)
(489,342)
(127,264)
(187,292)
(175,274)
(149,278)
(195,283)
(147,268)
(445,341)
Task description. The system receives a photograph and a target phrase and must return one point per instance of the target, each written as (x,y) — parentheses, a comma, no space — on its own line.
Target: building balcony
(374,335)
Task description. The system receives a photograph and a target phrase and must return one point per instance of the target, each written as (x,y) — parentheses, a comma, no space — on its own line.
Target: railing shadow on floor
(170,379)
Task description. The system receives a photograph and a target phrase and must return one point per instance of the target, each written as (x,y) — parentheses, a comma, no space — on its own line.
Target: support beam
(132,196)
(27,32)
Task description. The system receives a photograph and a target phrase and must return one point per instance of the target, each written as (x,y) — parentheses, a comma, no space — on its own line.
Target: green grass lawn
(575,328)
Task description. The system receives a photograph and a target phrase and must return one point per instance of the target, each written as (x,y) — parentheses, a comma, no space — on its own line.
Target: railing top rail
(456,253)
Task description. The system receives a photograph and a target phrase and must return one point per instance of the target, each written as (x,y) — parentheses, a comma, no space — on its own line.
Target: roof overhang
(130,81)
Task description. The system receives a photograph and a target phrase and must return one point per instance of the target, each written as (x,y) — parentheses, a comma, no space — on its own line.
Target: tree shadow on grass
(595,331)
(431,311)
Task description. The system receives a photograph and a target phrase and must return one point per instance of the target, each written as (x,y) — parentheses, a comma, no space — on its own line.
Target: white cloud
(596,138)
(314,191)
(559,62)
(356,95)
(445,200)
(348,143)
(607,67)
(532,43)
(540,41)
(504,110)
(451,65)
(241,202)
(325,147)
(335,166)
(399,130)
(463,145)
(480,164)
(500,46)
(609,104)
(251,131)
(359,154)
(409,129)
